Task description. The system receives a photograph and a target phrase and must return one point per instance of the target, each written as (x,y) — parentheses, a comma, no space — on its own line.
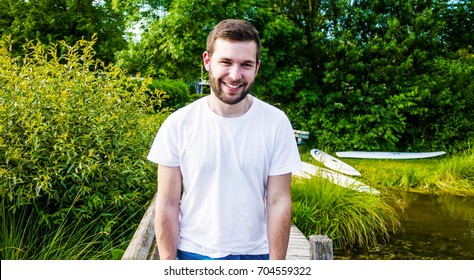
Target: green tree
(459,16)
(357,74)
(377,82)
(50,21)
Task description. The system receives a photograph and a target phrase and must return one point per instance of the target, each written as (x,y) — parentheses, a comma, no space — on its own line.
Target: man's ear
(257,67)
(206,60)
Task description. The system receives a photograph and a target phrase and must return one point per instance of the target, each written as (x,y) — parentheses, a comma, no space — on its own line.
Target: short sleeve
(285,158)
(164,150)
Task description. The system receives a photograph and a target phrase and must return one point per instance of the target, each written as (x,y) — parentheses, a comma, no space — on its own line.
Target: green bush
(74,135)
(177,93)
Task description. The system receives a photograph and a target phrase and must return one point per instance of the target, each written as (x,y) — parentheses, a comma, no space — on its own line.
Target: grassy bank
(353,218)
(451,175)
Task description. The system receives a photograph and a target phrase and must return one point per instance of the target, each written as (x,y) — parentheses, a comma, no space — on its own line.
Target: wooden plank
(142,241)
(298,246)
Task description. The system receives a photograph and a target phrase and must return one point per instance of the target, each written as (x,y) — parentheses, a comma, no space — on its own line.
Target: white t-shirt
(225,164)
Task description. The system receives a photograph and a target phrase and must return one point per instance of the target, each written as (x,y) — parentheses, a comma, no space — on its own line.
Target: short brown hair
(234,30)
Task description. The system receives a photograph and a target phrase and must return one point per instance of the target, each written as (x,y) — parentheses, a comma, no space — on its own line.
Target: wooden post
(320,247)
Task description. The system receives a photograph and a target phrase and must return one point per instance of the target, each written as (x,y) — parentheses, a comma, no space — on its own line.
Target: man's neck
(229,110)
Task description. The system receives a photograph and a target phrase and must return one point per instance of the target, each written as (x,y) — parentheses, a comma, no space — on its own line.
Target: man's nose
(235,72)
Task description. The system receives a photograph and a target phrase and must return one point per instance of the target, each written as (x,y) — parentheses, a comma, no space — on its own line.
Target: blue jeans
(183,255)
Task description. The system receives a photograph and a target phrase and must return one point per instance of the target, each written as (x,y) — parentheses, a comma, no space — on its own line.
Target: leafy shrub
(177,93)
(74,135)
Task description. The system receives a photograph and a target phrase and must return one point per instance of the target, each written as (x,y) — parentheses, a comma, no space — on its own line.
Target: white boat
(334,163)
(388,155)
(309,170)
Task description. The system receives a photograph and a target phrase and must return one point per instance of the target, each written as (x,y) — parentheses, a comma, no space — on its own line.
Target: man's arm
(279,215)
(167,211)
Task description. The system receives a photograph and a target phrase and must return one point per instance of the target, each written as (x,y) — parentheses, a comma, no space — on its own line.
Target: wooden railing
(143,246)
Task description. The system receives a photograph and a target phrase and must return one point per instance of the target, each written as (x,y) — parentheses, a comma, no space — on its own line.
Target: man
(225,162)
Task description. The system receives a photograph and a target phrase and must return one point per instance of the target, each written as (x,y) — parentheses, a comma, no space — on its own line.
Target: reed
(456,175)
(24,237)
(347,217)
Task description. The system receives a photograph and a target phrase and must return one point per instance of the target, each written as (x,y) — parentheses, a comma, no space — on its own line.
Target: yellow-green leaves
(73,130)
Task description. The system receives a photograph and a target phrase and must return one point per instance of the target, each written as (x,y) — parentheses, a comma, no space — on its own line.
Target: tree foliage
(50,21)
(358,74)
(376,75)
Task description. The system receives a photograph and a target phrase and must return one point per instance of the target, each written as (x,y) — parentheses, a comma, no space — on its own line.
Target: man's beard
(216,87)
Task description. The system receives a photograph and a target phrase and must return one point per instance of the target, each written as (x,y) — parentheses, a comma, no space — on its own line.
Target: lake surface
(434,228)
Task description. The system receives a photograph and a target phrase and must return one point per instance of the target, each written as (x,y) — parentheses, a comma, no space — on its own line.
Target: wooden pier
(298,247)
(143,246)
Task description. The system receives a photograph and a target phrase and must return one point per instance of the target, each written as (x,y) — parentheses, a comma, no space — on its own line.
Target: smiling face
(232,69)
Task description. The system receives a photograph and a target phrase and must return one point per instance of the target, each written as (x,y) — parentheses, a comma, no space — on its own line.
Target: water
(434,228)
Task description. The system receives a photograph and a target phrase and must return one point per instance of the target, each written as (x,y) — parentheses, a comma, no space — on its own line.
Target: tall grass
(456,174)
(24,237)
(347,217)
